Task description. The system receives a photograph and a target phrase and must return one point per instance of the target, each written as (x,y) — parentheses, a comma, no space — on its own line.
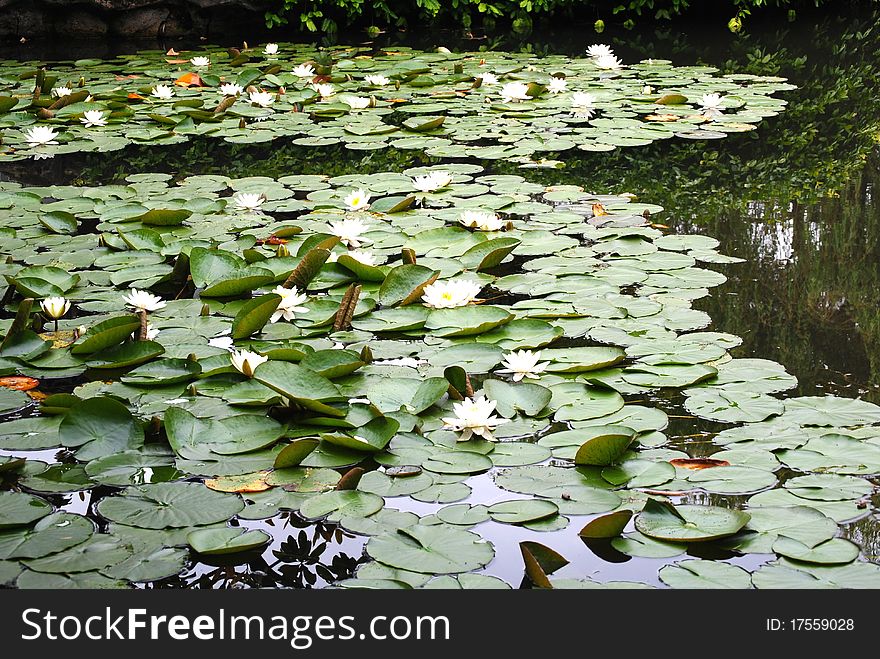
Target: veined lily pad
(688,523)
(438,549)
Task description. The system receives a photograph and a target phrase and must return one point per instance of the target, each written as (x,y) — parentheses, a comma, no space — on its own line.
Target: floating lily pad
(20,509)
(164,505)
(431,550)
(705,574)
(688,523)
(226,541)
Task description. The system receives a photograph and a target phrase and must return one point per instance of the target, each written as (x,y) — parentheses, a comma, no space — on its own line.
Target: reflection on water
(807,295)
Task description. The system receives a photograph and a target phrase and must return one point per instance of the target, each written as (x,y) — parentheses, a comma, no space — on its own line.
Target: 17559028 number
(821,624)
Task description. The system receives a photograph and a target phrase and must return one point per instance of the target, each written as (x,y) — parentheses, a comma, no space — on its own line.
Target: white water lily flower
(61,92)
(523,364)
(291,299)
(474,416)
(143,300)
(263,99)
(55,307)
(40,135)
(488,78)
(712,104)
(224,342)
(647,89)
(599,50)
(246,362)
(231,89)
(163,92)
(200,60)
(557,85)
(377,80)
(249,201)
(357,200)
(270,49)
(582,105)
(93,118)
(514,92)
(349,231)
(304,71)
(432,181)
(325,90)
(481,220)
(450,293)
(364,256)
(607,62)
(356,102)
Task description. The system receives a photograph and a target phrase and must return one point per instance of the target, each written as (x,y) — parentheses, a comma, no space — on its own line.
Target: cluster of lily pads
(489,105)
(206,353)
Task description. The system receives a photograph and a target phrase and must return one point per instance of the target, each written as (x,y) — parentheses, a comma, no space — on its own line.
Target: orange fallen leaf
(663,117)
(189,80)
(130,76)
(172,52)
(135,97)
(599,210)
(176,61)
(37,395)
(275,240)
(19,383)
(698,463)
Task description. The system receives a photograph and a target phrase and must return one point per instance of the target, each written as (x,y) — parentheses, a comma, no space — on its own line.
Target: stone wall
(133,19)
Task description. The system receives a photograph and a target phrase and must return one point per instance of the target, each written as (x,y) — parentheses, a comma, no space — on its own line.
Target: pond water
(793,199)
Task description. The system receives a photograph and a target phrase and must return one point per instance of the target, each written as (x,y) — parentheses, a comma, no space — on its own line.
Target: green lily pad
(226,541)
(437,549)
(688,523)
(169,505)
(20,509)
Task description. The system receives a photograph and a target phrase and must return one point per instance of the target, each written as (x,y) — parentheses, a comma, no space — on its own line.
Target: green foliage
(327,15)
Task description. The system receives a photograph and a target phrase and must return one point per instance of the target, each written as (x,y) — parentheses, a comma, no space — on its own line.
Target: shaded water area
(795,198)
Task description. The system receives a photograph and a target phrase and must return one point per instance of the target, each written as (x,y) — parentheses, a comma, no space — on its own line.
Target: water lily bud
(192,357)
(372,101)
(458,69)
(408,255)
(366,355)
(244,45)
(43,113)
(206,310)
(191,390)
(82,82)
(241,123)
(444,50)
(79,331)
(102,242)
(508,226)
(282,250)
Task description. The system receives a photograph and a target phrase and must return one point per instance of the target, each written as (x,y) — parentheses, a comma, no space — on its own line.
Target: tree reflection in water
(315,555)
